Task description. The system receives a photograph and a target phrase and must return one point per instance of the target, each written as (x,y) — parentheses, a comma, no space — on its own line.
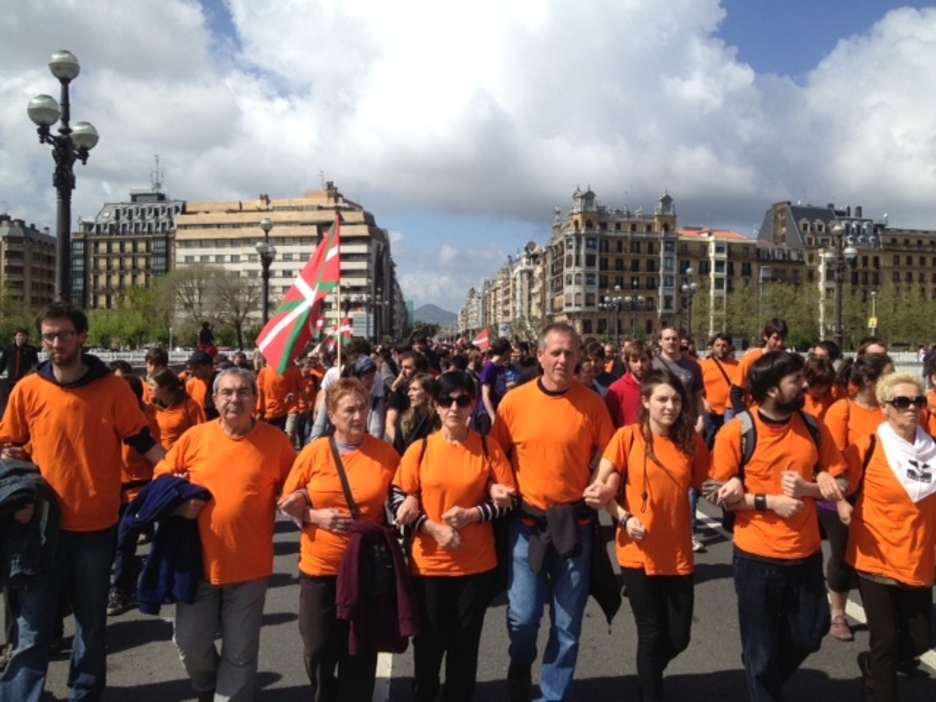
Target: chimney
(858,211)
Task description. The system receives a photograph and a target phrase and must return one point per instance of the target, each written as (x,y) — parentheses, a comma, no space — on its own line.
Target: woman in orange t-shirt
(454,560)
(848,420)
(176,412)
(658,459)
(893,530)
(313,496)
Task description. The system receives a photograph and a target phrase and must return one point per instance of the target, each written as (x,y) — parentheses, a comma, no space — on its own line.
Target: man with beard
(76,415)
(623,398)
(783,611)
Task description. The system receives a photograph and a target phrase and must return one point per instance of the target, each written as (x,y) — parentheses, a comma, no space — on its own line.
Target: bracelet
(760,503)
(624,520)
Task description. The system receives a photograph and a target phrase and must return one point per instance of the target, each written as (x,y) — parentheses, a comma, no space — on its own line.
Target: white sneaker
(698,546)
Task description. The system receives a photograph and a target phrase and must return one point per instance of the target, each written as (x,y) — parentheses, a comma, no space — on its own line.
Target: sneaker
(698,546)
(519,683)
(840,629)
(117,604)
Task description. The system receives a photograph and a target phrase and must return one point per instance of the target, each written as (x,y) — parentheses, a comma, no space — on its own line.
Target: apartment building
(27,262)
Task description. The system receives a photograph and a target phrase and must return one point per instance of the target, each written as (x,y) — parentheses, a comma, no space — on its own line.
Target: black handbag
(378,573)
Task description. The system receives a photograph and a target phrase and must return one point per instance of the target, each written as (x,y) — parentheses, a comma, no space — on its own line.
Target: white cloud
(491,108)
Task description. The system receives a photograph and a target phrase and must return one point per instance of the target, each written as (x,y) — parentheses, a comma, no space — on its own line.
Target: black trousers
(451,616)
(325,646)
(662,607)
(899,628)
(840,577)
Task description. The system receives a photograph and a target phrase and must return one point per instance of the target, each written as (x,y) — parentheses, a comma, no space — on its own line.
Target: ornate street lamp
(689,288)
(872,323)
(613,304)
(842,255)
(68,146)
(267,253)
(634,301)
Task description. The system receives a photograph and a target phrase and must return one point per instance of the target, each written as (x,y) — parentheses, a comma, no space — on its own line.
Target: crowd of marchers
(426,479)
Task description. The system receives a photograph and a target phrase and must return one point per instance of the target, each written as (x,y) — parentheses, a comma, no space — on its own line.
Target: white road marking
(384,674)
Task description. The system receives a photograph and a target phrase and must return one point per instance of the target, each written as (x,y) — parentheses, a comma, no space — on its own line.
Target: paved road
(143,666)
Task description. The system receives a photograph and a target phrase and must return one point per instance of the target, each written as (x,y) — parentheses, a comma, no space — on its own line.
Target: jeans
(899,628)
(526,595)
(127,566)
(236,611)
(713,422)
(84,577)
(783,615)
(662,607)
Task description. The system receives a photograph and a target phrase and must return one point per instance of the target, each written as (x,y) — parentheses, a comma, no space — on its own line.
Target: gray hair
(561,329)
(241,373)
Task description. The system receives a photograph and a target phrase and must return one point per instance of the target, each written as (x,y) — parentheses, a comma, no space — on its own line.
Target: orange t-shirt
(744,368)
(244,476)
(176,420)
(76,438)
(137,468)
(551,440)
(667,547)
(890,535)
(199,390)
(717,388)
(789,447)
(848,421)
(453,475)
(370,469)
(274,389)
(818,408)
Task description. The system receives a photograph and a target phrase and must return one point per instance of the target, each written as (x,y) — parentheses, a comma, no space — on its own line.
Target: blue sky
(461,127)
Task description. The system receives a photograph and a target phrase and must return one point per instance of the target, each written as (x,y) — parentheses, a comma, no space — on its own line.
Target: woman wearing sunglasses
(658,459)
(848,420)
(442,488)
(893,529)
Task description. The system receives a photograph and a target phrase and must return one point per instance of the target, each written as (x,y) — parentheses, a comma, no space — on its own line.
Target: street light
(689,290)
(839,259)
(68,146)
(267,253)
(872,323)
(634,301)
(613,304)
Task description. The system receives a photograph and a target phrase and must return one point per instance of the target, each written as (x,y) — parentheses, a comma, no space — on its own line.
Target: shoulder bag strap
(722,369)
(339,464)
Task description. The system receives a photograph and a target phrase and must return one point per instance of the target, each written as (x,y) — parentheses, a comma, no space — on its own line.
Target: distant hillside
(430,314)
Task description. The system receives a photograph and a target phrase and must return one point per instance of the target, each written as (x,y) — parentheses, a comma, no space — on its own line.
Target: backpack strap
(748,440)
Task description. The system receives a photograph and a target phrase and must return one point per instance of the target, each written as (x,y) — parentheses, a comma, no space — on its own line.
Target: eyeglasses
(65,336)
(461,401)
(902,403)
(241,393)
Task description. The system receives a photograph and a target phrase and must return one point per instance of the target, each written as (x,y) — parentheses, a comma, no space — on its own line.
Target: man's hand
(502,495)
(330,519)
(636,529)
(447,537)
(459,517)
(294,507)
(731,492)
(829,487)
(785,506)
(190,509)
(844,508)
(25,514)
(408,511)
(598,495)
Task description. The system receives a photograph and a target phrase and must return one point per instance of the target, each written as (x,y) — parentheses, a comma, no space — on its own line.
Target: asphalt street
(143,665)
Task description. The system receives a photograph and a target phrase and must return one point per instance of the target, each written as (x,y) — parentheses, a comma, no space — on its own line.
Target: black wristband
(623,522)
(760,503)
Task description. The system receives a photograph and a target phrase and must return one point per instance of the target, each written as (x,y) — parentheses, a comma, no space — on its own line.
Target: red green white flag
(294,324)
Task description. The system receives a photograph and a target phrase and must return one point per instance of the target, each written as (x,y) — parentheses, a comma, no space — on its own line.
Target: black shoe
(911,668)
(519,682)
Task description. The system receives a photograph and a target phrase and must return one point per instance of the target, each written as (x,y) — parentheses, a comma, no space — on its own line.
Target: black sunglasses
(462,401)
(903,403)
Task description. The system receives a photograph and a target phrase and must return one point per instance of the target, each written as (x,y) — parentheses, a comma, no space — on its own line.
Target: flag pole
(338,323)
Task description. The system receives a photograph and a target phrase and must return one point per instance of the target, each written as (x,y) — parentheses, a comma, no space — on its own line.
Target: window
(635,265)
(719,266)
(591,244)
(603,246)
(619,264)
(635,247)
(668,263)
(669,247)
(590,279)
(220,258)
(190,259)
(603,264)
(586,326)
(668,281)
(602,281)
(235,258)
(590,260)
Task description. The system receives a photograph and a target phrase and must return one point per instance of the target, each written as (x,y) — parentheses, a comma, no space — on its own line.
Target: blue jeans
(783,614)
(127,566)
(526,595)
(84,576)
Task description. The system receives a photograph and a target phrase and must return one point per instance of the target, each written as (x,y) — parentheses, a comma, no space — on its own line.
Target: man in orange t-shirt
(552,429)
(243,462)
(198,385)
(783,612)
(775,334)
(76,415)
(718,372)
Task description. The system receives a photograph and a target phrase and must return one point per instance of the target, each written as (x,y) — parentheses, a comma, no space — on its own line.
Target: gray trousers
(234,611)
